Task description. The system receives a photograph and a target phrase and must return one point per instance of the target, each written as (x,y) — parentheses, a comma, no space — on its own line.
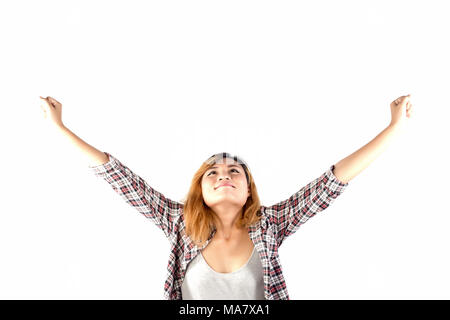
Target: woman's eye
(215,172)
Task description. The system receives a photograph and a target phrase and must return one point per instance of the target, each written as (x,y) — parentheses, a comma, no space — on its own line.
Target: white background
(292,87)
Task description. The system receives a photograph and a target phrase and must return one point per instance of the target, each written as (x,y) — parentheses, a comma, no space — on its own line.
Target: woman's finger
(53,100)
(47,101)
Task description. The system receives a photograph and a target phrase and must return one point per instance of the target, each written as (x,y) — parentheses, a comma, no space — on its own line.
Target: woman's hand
(401,109)
(52,111)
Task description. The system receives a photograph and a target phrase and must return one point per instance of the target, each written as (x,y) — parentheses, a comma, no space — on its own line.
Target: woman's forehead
(226,161)
(225,158)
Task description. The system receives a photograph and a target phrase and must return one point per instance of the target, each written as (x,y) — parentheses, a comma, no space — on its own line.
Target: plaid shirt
(277,222)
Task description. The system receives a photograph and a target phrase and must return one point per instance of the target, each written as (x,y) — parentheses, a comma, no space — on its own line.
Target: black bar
(230,309)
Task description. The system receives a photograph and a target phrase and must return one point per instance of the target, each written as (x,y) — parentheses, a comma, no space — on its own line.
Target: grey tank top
(201,282)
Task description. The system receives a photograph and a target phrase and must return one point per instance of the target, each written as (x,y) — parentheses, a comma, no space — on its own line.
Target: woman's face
(236,192)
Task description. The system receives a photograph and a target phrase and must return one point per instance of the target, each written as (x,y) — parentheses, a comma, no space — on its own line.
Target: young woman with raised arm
(224,243)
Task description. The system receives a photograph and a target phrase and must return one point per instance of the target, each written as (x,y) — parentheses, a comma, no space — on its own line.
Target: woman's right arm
(93,156)
(52,110)
(163,211)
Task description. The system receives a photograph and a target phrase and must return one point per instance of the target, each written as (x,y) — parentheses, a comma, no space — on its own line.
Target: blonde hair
(200,219)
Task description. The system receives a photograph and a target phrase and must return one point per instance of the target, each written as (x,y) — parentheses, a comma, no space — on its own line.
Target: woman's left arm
(351,166)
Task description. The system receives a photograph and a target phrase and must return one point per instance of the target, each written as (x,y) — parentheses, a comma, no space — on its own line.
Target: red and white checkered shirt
(277,222)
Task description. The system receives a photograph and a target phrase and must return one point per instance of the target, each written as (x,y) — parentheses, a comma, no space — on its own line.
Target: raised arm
(93,156)
(52,110)
(285,217)
(163,211)
(352,165)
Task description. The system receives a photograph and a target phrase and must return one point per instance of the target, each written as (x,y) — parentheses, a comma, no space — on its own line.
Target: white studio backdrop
(290,86)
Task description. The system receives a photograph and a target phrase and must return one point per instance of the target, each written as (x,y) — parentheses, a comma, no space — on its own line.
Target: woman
(224,243)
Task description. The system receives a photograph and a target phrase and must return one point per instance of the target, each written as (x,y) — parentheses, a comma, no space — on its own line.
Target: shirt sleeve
(288,215)
(139,194)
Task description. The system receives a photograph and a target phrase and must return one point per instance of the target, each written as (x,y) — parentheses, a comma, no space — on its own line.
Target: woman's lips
(225,185)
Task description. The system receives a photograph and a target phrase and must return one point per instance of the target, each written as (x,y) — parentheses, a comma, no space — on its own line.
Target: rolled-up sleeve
(288,215)
(139,194)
